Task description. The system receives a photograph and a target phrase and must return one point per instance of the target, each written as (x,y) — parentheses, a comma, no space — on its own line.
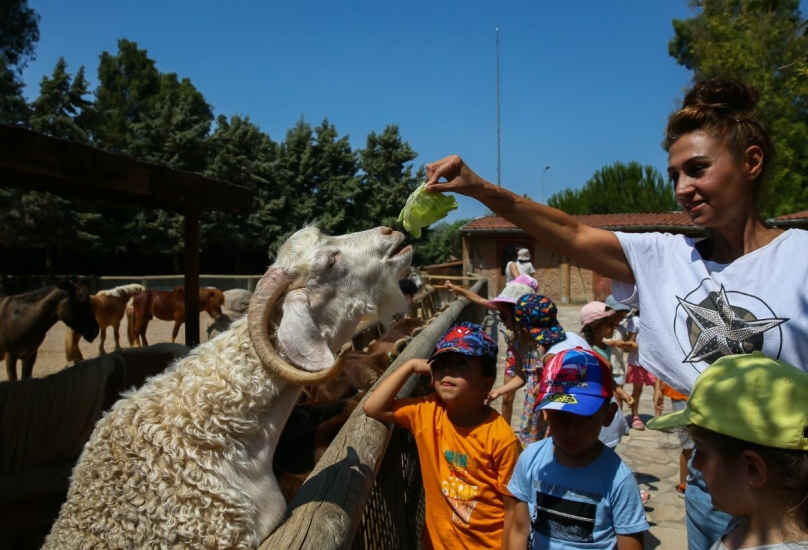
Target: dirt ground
(51,355)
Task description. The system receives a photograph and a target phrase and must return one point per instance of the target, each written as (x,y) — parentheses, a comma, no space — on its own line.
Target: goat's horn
(271,286)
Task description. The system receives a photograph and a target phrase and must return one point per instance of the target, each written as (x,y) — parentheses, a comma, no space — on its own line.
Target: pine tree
(19,32)
(61,104)
(619,188)
(387,178)
(14,109)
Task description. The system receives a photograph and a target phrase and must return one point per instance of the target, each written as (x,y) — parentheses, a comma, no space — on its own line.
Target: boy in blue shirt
(572,491)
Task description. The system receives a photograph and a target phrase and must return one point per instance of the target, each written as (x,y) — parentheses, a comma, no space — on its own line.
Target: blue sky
(582,84)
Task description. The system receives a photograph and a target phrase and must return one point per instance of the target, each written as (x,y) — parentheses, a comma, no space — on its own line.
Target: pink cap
(595,311)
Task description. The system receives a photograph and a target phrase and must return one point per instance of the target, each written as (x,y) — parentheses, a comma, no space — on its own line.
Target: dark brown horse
(168,305)
(26,318)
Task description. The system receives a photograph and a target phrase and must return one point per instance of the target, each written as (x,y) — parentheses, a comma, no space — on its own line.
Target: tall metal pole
(499,180)
(542,183)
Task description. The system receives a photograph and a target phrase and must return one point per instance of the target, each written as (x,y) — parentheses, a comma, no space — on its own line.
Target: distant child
(539,336)
(503,304)
(466,450)
(618,346)
(747,415)
(637,375)
(571,490)
(597,326)
(678,401)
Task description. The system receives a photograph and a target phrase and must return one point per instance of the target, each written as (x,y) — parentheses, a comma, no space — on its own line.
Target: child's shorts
(638,375)
(619,379)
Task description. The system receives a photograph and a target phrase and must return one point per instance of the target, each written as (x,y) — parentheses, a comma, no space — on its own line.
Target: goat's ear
(299,337)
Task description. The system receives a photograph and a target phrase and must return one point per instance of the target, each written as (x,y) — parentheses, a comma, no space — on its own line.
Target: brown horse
(26,318)
(168,305)
(108,307)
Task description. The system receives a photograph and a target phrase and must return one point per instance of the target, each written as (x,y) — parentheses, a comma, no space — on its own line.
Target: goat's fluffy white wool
(168,449)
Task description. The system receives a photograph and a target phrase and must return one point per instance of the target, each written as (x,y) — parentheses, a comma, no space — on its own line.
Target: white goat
(187,459)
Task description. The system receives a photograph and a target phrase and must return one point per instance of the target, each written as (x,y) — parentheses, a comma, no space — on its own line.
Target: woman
(741,289)
(509,267)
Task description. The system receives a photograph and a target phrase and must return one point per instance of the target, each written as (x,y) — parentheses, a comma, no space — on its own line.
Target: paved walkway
(654,460)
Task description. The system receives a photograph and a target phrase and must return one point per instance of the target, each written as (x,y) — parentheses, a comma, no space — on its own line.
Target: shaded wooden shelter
(37,162)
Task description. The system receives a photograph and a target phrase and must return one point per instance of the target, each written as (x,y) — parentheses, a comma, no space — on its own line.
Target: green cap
(749,397)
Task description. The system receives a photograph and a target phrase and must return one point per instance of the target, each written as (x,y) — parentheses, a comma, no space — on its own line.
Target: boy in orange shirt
(466,450)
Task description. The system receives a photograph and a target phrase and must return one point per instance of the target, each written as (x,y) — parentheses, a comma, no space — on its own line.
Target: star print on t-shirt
(724,323)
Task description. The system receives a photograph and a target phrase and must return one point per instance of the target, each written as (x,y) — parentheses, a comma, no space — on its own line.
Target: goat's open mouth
(400,250)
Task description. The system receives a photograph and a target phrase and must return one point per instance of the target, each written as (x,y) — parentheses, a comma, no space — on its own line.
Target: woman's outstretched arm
(596,249)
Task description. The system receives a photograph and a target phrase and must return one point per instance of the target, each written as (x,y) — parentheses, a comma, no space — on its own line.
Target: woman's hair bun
(728,97)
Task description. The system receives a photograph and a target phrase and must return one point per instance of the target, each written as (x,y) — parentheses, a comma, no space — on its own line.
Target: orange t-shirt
(465,473)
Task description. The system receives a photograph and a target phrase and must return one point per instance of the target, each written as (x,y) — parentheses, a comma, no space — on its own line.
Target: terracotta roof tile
(795,216)
(606,221)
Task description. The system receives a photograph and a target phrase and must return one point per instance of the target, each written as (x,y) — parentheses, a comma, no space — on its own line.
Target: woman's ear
(753,161)
(755,469)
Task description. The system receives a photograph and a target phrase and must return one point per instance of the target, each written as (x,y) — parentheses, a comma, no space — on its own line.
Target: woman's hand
(459,177)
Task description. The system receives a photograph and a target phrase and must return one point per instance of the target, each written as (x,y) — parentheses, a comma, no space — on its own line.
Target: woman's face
(709,184)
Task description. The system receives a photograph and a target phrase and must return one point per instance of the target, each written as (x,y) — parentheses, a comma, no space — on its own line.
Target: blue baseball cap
(468,339)
(576,381)
(539,315)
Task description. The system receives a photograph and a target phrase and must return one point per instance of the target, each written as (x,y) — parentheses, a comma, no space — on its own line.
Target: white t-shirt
(572,341)
(525,268)
(695,311)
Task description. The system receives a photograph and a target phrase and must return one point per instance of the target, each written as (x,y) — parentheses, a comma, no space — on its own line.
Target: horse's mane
(124,292)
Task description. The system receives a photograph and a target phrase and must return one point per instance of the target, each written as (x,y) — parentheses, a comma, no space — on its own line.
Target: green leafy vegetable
(424,208)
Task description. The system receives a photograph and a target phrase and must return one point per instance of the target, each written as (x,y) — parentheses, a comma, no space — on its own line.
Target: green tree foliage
(441,243)
(61,109)
(14,109)
(44,222)
(336,183)
(244,155)
(174,130)
(387,178)
(128,89)
(312,176)
(764,43)
(619,188)
(19,32)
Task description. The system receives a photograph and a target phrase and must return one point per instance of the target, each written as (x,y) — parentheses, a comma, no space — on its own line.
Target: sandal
(637,423)
(680,490)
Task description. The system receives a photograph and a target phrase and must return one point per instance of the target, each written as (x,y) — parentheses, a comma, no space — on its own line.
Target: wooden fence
(366,491)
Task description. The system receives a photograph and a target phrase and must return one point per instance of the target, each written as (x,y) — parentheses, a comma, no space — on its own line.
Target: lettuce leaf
(424,208)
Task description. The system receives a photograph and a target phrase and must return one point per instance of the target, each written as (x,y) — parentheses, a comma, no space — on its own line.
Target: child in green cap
(748,417)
